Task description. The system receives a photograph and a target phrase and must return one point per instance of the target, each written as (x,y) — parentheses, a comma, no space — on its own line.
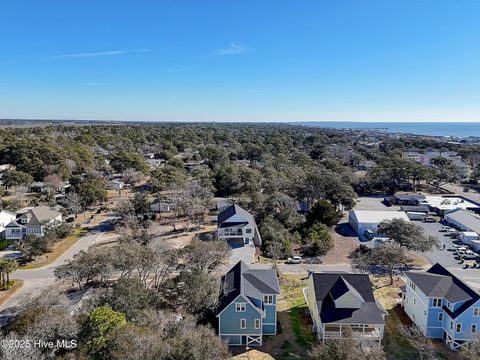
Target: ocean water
(456,129)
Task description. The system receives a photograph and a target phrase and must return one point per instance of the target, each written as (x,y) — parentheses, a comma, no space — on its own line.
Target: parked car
(294,260)
(469,257)
(429,219)
(445,228)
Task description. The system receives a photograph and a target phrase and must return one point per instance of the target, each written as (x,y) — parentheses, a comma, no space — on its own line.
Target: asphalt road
(37,280)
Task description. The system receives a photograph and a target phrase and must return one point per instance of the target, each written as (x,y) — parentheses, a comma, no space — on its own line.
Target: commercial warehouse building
(363,221)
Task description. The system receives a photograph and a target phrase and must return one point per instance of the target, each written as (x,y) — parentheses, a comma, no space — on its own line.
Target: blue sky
(241,60)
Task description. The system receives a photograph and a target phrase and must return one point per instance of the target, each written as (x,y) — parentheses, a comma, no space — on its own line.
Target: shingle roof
(330,286)
(253,283)
(439,282)
(234,210)
(43,213)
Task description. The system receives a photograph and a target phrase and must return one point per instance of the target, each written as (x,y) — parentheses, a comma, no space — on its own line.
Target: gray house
(237,226)
(247,308)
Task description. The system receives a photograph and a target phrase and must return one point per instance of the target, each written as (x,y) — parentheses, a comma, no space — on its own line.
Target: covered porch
(356,331)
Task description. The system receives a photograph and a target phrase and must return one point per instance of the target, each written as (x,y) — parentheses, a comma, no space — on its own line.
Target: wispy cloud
(100,53)
(232,49)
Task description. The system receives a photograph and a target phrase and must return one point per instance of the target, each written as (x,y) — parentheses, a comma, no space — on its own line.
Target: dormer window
(436,302)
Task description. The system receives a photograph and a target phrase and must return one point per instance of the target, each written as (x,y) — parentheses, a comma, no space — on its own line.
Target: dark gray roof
(330,286)
(439,282)
(252,283)
(234,210)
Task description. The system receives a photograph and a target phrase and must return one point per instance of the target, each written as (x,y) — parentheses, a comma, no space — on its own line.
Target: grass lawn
(294,338)
(5,294)
(3,244)
(58,249)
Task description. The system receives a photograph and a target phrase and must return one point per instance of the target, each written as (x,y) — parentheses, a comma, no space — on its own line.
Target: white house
(363,220)
(6,217)
(33,222)
(115,185)
(236,225)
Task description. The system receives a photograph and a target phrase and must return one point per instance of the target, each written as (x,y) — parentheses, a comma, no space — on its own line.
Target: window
(448,304)
(257,323)
(268,299)
(458,328)
(414,301)
(451,325)
(440,316)
(474,328)
(476,311)
(240,307)
(437,302)
(243,323)
(248,231)
(425,312)
(412,285)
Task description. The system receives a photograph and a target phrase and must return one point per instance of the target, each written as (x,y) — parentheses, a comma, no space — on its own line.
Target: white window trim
(440,315)
(257,324)
(474,326)
(438,301)
(265,297)
(238,305)
(456,328)
(477,310)
(242,321)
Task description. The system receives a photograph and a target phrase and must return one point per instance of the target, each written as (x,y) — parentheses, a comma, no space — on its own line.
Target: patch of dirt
(342,248)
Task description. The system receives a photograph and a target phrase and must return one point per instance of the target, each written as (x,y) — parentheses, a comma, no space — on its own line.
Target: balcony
(230,232)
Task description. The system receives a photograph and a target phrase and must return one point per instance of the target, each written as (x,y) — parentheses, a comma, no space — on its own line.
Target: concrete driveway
(246,253)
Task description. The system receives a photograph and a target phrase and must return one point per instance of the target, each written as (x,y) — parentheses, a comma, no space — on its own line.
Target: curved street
(37,280)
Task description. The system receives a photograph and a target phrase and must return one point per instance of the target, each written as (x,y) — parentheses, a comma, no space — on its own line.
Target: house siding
(229,319)
(434,328)
(416,302)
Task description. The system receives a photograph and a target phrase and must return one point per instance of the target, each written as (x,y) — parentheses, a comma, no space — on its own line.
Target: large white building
(363,220)
(444,204)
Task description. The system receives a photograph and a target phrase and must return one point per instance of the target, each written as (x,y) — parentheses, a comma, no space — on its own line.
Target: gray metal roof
(467,218)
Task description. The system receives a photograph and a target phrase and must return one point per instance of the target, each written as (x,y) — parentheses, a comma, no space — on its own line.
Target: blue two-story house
(247,308)
(442,306)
